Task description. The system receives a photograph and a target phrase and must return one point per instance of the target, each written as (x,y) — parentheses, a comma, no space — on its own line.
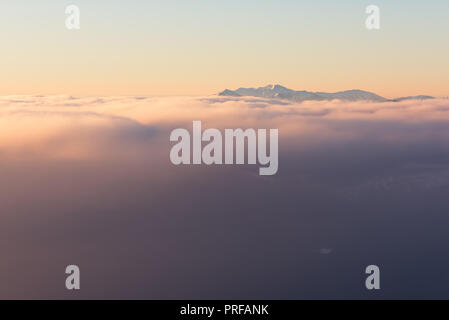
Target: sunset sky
(170,47)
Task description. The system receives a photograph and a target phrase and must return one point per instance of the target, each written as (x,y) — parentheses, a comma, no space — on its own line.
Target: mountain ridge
(280,92)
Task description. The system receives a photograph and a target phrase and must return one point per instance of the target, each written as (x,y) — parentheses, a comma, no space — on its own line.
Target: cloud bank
(88,181)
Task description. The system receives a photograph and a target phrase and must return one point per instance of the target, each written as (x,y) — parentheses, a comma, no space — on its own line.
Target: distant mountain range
(280,92)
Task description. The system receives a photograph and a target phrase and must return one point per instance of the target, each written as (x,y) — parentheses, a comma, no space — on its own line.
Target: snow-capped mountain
(280,92)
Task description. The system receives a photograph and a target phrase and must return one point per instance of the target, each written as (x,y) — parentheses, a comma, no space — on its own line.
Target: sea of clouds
(88,181)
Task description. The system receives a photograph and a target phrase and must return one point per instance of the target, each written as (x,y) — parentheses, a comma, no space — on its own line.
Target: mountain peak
(281,92)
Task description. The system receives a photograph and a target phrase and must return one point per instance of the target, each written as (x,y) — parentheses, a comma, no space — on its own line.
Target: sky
(176,47)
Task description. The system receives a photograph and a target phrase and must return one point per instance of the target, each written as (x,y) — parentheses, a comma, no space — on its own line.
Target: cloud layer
(88,181)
